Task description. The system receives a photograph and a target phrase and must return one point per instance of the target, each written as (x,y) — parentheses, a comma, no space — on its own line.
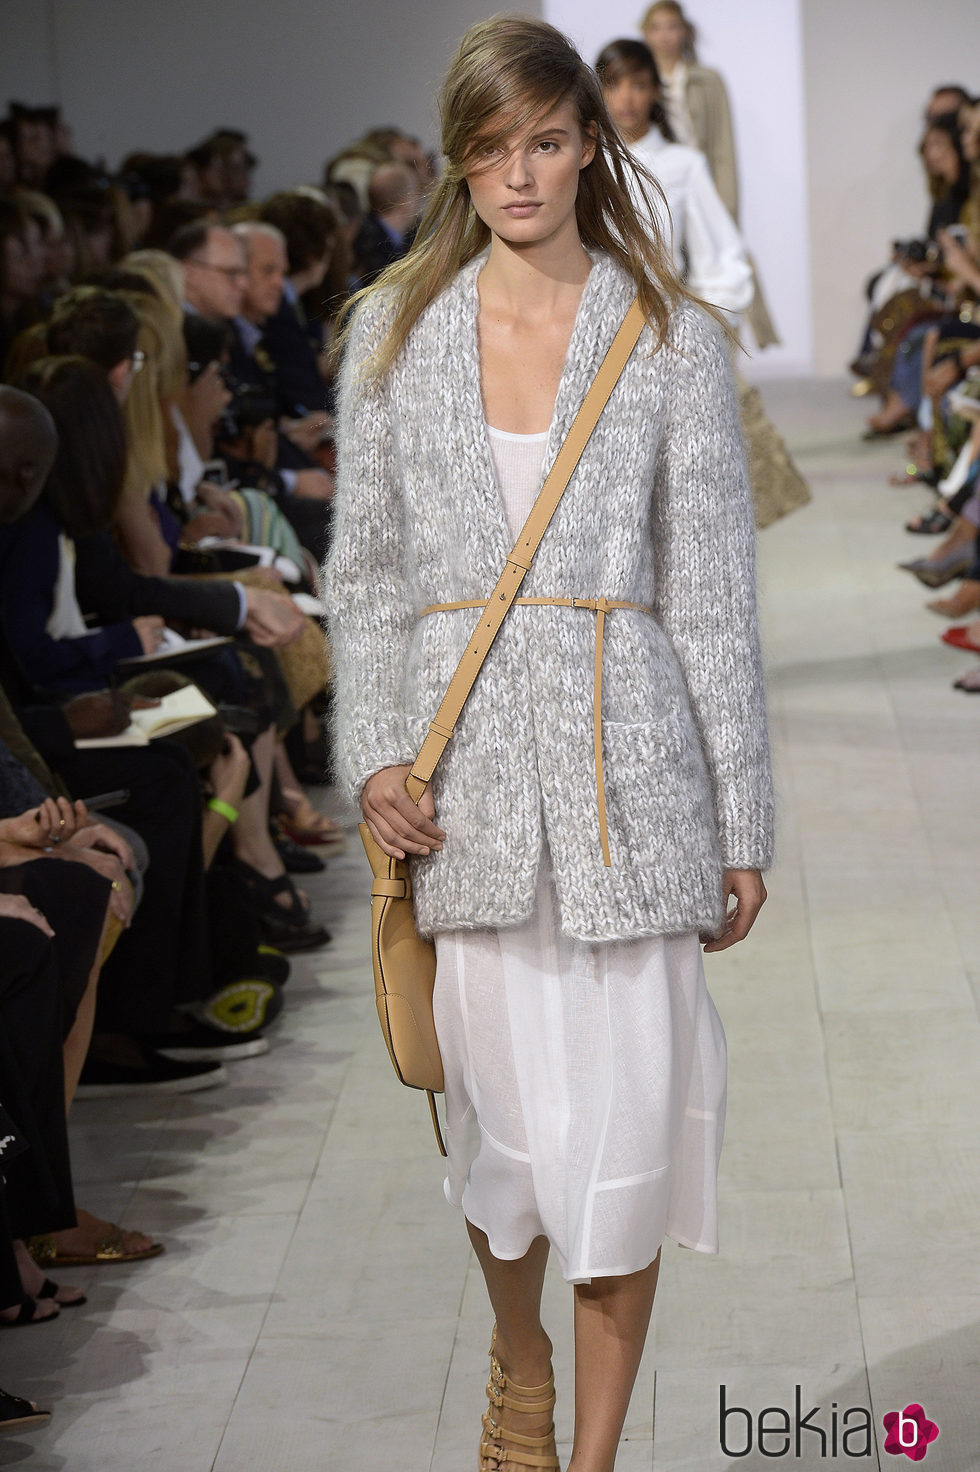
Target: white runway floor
(317,1309)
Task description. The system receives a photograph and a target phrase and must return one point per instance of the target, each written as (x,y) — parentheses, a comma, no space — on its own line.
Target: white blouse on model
(530,1019)
(709,251)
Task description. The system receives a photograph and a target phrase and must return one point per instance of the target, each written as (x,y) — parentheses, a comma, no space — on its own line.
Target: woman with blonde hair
(607,788)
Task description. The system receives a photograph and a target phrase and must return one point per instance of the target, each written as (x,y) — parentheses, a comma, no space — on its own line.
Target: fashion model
(708,249)
(695,100)
(594,821)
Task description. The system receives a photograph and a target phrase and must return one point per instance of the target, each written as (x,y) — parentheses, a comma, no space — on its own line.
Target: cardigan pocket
(657,794)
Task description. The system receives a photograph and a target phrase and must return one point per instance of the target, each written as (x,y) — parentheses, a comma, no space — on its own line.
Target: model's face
(665,35)
(525,190)
(215,277)
(630,101)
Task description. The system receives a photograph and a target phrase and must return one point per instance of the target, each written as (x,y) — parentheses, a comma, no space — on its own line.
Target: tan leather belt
(600,607)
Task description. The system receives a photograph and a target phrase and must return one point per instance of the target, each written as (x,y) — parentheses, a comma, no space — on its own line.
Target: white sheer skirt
(585,1091)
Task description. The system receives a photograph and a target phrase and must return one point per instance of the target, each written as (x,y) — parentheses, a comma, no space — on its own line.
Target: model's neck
(528,280)
(667,66)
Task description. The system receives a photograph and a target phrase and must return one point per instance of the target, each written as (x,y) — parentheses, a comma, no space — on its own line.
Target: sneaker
(202,1043)
(157,1075)
(242,1007)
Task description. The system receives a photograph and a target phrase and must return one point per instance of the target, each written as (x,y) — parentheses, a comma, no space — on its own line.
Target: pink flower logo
(909,1431)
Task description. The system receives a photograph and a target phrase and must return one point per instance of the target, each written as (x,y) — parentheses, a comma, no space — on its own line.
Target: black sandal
(26,1311)
(930,524)
(17,1414)
(49,1289)
(288,927)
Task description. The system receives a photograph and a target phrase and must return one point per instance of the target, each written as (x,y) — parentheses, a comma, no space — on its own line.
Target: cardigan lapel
(601,310)
(605,298)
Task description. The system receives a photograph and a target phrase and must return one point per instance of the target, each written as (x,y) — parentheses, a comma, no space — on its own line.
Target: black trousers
(38,1186)
(10,1285)
(73,898)
(163,959)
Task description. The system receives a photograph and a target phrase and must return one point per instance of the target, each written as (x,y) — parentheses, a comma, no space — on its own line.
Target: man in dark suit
(387,230)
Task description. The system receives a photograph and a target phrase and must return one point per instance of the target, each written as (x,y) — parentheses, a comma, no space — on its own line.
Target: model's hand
(398,824)
(750,895)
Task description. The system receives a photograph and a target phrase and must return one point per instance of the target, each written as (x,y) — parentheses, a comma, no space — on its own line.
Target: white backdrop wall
(765,82)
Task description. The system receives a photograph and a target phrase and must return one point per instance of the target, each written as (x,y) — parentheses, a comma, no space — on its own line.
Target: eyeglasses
(138,358)
(232,272)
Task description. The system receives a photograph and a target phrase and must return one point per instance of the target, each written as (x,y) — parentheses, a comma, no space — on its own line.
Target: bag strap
(519,562)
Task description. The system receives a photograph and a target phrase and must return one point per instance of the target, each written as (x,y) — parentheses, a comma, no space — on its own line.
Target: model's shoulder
(693,330)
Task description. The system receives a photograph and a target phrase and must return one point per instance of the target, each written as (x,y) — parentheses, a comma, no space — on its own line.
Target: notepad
(176,711)
(174,646)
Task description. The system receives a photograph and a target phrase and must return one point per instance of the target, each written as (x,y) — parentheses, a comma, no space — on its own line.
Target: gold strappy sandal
(530,1451)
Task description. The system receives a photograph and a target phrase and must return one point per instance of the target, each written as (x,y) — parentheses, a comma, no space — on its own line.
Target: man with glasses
(215,272)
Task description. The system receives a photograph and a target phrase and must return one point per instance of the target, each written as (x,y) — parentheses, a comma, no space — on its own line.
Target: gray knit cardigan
(657,512)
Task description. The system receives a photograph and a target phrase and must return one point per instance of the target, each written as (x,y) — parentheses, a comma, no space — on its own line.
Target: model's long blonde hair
(509,72)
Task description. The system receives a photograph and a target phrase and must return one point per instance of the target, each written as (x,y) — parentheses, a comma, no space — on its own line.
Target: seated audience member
(387,230)
(103,326)
(223,165)
(8,157)
(215,272)
(56,248)
(43,967)
(35,142)
(907,294)
(311,226)
(216,276)
(945,101)
(21,272)
(297,391)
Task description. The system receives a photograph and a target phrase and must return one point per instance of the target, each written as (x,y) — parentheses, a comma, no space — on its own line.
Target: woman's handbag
(405,963)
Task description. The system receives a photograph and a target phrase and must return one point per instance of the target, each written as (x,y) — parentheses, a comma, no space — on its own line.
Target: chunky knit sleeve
(705,582)
(365,583)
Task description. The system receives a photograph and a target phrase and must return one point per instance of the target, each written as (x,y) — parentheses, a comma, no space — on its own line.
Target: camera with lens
(917,252)
(250,406)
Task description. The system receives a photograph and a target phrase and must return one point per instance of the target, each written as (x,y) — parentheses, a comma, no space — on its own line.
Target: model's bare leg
(612,1316)
(522,1346)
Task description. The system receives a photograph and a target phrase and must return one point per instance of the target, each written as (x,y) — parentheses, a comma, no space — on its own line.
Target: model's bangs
(506,124)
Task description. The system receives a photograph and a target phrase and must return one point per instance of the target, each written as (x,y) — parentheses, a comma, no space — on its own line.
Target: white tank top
(517,461)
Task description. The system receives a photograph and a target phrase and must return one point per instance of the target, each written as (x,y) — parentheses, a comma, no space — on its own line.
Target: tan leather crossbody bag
(405,963)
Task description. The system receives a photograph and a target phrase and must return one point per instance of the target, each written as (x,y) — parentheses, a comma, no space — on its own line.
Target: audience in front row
(921,353)
(166,469)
